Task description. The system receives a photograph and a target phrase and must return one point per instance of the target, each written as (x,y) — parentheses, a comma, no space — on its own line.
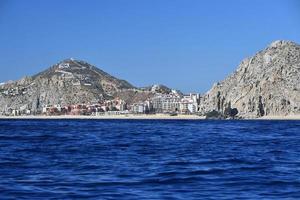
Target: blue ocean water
(149,159)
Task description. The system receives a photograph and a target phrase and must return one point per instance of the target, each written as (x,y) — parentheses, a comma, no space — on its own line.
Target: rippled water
(149,159)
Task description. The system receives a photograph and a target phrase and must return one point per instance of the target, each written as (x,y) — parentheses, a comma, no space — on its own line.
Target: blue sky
(185,44)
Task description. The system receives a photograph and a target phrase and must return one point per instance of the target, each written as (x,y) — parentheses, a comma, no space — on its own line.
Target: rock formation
(264,85)
(68,82)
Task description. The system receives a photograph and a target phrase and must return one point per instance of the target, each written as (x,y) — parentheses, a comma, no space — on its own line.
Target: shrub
(213,115)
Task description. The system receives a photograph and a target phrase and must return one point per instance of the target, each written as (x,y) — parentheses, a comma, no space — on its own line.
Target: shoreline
(130,116)
(277,117)
(138,117)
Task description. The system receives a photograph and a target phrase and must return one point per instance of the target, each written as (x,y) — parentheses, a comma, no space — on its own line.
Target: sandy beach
(143,116)
(288,117)
(129,116)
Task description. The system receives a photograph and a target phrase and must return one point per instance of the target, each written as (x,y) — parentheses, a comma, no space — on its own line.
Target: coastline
(277,117)
(129,116)
(139,117)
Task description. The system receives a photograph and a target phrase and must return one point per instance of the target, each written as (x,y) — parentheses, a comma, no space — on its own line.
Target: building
(120,104)
(15,112)
(190,103)
(174,102)
(164,103)
(141,108)
(138,108)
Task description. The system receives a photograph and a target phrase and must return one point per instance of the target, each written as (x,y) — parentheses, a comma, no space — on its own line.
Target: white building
(143,107)
(64,66)
(189,103)
(15,112)
(166,103)
(45,108)
(120,105)
(138,108)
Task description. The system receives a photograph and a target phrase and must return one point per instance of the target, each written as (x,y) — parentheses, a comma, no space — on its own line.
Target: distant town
(172,103)
(265,85)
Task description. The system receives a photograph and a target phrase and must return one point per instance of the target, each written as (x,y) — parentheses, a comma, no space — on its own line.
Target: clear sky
(184,44)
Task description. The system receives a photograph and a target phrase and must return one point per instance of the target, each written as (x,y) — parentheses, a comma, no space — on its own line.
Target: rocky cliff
(264,85)
(68,82)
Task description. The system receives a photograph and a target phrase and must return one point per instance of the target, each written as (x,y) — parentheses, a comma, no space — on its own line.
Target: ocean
(149,159)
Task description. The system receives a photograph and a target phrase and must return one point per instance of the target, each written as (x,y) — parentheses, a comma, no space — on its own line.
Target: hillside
(264,85)
(68,82)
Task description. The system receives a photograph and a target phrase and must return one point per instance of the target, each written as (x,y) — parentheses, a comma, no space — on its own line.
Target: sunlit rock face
(263,85)
(66,83)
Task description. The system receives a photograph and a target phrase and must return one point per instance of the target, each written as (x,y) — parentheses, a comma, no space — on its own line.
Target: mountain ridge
(70,82)
(67,82)
(264,84)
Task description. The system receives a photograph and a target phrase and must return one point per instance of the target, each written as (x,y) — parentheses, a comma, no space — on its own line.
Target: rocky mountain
(266,84)
(157,88)
(68,82)
(144,93)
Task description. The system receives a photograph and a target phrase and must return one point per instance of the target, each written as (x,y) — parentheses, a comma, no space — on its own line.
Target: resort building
(142,108)
(170,103)
(166,103)
(189,103)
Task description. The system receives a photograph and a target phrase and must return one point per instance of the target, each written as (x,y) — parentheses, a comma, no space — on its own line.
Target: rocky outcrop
(157,88)
(264,85)
(68,82)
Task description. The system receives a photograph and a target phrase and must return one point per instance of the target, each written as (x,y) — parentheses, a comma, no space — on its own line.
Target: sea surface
(149,159)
